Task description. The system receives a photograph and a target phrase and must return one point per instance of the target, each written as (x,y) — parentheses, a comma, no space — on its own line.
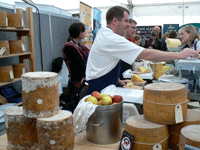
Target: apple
(100,102)
(103,95)
(106,100)
(92,99)
(117,98)
(96,94)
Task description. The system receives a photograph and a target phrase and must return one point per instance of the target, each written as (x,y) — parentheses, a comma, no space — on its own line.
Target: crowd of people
(115,49)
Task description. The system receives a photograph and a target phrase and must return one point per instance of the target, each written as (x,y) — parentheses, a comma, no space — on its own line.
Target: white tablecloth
(128,74)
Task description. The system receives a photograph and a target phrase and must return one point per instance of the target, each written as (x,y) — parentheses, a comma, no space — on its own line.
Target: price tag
(23,47)
(6,21)
(23,70)
(22,22)
(158,146)
(178,113)
(11,75)
(2,51)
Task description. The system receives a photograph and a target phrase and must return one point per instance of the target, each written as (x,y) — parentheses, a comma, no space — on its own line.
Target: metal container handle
(96,125)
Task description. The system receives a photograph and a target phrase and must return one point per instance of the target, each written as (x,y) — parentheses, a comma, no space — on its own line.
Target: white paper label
(178,113)
(11,75)
(23,70)
(158,146)
(52,142)
(2,51)
(22,21)
(6,21)
(23,47)
(39,101)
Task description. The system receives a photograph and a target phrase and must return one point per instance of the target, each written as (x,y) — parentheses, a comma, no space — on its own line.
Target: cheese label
(39,101)
(23,70)
(158,146)
(23,47)
(52,142)
(2,51)
(11,75)
(22,22)
(6,21)
(178,113)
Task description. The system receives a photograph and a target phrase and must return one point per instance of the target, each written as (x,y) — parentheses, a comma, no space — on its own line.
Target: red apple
(97,95)
(117,98)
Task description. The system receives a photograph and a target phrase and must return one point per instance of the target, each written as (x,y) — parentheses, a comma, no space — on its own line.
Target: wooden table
(81,143)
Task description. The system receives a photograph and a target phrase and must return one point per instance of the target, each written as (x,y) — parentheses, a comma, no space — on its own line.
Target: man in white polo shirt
(110,47)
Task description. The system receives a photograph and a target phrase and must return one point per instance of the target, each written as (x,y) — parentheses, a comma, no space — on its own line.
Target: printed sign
(126,141)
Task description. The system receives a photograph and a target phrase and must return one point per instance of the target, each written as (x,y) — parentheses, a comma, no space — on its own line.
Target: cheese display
(190,137)
(21,131)
(17,46)
(40,94)
(6,73)
(173,43)
(160,100)
(166,68)
(193,117)
(56,132)
(136,78)
(4,48)
(142,69)
(15,20)
(147,134)
(131,85)
(19,69)
(3,20)
(157,70)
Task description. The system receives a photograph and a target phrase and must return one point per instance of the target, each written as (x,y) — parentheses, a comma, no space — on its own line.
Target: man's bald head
(157,28)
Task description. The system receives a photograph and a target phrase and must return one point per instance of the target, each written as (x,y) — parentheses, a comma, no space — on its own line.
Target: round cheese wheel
(40,94)
(193,117)
(190,135)
(19,69)
(160,100)
(146,134)
(6,74)
(56,132)
(21,131)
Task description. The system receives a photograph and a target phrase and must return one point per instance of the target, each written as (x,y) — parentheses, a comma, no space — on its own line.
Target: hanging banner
(170,27)
(96,21)
(85,17)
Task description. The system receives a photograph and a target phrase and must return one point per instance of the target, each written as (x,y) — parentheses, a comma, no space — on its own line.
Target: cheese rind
(56,132)
(146,134)
(160,100)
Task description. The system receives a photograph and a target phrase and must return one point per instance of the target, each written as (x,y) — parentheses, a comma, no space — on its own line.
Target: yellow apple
(106,100)
(92,99)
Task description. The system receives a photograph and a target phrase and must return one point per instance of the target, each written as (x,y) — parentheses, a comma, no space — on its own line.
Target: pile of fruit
(103,99)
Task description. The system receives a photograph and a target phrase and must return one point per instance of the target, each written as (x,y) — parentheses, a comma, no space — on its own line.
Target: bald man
(157,28)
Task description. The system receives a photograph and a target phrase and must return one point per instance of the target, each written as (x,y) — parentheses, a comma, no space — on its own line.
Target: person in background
(157,28)
(110,47)
(173,34)
(137,39)
(153,42)
(163,42)
(129,33)
(189,38)
(75,56)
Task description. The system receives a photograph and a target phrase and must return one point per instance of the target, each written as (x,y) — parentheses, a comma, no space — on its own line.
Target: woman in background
(75,56)
(153,42)
(138,39)
(189,38)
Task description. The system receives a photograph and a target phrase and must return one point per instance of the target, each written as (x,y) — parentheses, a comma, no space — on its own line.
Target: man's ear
(115,20)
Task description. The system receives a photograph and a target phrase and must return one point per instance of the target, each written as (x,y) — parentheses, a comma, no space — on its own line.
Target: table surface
(81,143)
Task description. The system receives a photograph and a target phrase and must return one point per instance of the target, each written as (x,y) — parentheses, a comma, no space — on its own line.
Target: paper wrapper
(82,113)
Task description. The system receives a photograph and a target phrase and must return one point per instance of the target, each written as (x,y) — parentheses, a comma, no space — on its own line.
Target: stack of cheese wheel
(3,19)
(147,134)
(41,101)
(157,70)
(15,20)
(4,45)
(6,74)
(193,117)
(160,101)
(21,131)
(190,137)
(19,69)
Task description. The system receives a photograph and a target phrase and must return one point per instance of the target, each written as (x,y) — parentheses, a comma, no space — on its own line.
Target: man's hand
(123,82)
(187,52)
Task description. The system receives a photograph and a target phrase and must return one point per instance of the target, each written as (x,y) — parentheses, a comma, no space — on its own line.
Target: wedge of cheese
(136,78)
(142,69)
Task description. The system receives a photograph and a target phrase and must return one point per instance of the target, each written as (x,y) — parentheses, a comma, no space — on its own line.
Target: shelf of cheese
(13,81)
(13,55)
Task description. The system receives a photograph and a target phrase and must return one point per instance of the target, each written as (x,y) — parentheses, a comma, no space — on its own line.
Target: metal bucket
(105,125)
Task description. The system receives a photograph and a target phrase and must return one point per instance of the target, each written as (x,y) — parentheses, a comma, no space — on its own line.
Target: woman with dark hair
(173,34)
(153,42)
(75,56)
